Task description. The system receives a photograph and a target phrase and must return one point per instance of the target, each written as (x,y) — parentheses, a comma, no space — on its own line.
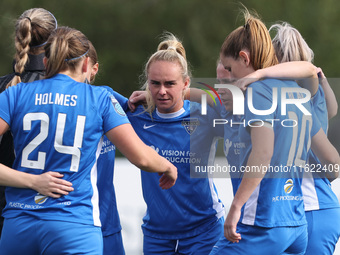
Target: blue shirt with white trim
(278,200)
(317,189)
(58,125)
(109,216)
(232,146)
(187,140)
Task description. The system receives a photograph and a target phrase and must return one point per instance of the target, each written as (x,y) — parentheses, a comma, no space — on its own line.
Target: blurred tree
(126,32)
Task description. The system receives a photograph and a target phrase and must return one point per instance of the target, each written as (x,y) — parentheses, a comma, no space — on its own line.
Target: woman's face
(223,76)
(166,85)
(239,67)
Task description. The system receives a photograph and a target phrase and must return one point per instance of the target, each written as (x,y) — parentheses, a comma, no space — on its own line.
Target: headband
(56,26)
(69,59)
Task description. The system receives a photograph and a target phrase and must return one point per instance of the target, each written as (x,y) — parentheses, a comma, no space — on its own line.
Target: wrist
(260,74)
(30,181)
(236,204)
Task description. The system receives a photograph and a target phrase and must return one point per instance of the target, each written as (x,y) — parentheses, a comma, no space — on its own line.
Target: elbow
(332,176)
(333,112)
(311,70)
(141,163)
(264,155)
(333,168)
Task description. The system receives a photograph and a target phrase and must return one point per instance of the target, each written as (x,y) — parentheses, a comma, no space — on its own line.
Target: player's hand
(230,225)
(136,98)
(320,72)
(168,178)
(50,184)
(244,82)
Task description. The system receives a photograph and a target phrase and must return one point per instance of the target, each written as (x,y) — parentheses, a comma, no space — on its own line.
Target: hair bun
(172,48)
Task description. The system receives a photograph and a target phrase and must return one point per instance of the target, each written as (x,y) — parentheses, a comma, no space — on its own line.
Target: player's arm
(262,139)
(3,126)
(192,94)
(332,104)
(48,184)
(195,95)
(304,72)
(327,154)
(144,157)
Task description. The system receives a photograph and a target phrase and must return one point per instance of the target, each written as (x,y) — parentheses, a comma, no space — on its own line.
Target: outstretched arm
(192,94)
(48,184)
(144,157)
(302,71)
(195,95)
(262,139)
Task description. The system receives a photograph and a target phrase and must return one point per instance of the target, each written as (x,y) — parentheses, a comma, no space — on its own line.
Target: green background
(126,32)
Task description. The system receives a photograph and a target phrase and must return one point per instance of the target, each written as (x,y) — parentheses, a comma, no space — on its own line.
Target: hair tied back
(172,48)
(246,26)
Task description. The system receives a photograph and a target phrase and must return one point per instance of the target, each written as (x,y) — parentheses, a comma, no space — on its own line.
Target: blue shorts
(323,231)
(196,245)
(29,236)
(113,244)
(257,240)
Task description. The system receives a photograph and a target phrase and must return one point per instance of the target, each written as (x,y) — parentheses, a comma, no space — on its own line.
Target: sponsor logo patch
(289,185)
(40,199)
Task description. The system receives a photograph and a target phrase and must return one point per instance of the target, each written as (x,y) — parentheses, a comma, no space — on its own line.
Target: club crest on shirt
(117,106)
(190,125)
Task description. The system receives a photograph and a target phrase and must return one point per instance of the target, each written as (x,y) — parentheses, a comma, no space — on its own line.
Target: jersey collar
(170,115)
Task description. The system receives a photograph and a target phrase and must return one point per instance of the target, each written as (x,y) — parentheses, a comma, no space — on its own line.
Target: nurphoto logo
(238,100)
(288,96)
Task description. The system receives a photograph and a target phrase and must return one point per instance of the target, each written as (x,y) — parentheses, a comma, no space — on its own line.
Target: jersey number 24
(59,147)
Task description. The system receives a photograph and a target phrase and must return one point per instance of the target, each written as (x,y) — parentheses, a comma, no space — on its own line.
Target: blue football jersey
(58,125)
(187,140)
(278,200)
(109,216)
(317,190)
(232,145)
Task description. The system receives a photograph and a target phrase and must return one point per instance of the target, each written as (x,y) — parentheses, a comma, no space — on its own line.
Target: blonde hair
(170,50)
(65,49)
(289,44)
(254,37)
(32,30)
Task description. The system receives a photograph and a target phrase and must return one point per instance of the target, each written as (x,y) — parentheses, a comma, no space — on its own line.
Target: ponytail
(32,29)
(65,49)
(254,37)
(22,41)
